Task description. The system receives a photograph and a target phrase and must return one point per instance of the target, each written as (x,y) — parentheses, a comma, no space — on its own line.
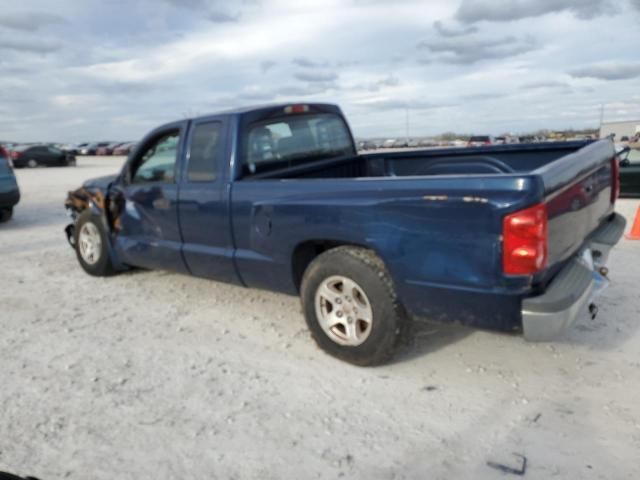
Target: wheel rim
(343,311)
(32,163)
(89,243)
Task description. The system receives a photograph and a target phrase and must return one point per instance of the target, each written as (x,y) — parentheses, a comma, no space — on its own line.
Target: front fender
(91,200)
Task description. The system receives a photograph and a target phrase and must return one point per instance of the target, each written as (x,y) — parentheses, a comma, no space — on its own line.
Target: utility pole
(406,110)
(601,114)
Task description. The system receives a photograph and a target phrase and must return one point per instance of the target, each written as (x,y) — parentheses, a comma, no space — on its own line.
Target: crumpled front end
(77,202)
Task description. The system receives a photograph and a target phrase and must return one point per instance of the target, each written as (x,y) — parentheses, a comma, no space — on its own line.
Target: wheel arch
(305,252)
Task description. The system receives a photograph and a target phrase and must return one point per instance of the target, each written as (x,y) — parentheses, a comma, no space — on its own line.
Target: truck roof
(265,108)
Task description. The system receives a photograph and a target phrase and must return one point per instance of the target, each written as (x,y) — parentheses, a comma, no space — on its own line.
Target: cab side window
(203,155)
(158,161)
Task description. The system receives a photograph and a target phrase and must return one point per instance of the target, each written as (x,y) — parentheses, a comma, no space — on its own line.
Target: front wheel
(351,307)
(91,245)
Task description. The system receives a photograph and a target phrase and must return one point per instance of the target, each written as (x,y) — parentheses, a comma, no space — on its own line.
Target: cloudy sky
(74,70)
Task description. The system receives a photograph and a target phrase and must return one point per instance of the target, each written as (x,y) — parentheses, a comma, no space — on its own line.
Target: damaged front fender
(93,196)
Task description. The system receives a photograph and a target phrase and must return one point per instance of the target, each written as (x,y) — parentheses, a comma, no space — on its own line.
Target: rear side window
(294,139)
(205,144)
(479,138)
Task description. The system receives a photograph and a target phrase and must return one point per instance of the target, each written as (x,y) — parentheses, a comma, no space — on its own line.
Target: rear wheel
(351,307)
(6,214)
(91,245)
(31,163)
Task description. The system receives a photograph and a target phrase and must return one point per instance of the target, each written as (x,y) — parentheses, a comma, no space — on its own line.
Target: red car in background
(124,148)
(108,149)
(480,140)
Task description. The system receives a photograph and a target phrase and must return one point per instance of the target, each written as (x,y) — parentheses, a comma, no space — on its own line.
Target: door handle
(161,203)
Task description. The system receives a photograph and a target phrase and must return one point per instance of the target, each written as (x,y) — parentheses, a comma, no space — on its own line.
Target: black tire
(102,266)
(70,162)
(6,214)
(32,163)
(389,325)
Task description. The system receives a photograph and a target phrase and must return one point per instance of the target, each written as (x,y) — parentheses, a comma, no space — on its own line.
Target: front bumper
(547,316)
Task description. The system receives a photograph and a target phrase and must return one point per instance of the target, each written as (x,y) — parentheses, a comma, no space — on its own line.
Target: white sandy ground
(155,375)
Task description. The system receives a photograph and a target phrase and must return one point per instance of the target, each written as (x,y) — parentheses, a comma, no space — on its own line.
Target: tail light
(615,179)
(15,155)
(524,247)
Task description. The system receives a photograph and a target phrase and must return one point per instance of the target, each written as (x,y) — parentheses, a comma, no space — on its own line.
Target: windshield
(294,139)
(634,156)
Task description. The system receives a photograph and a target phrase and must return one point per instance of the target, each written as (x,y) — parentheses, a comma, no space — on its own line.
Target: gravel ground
(158,375)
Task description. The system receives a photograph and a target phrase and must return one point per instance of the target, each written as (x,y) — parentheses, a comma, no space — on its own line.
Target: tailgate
(578,194)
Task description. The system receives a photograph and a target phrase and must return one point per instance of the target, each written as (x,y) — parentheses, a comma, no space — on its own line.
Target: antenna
(601,114)
(406,110)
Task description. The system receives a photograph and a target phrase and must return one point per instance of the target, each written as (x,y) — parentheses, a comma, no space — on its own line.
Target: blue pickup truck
(509,237)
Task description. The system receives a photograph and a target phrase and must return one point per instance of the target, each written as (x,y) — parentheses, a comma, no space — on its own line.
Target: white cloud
(86,70)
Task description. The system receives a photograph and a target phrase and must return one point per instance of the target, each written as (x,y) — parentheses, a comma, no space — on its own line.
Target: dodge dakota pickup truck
(508,237)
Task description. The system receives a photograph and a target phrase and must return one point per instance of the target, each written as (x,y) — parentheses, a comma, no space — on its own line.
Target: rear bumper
(547,316)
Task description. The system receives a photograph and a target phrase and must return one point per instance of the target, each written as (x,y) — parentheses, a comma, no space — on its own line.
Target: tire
(70,162)
(6,214)
(91,245)
(31,163)
(368,320)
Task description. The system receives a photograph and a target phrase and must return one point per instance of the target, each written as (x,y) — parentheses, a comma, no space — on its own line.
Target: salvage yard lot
(159,375)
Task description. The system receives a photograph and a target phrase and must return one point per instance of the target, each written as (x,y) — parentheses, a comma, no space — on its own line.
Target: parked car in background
(108,149)
(37,155)
(73,149)
(124,148)
(427,142)
(480,140)
(9,191)
(366,145)
(79,147)
(629,172)
(92,148)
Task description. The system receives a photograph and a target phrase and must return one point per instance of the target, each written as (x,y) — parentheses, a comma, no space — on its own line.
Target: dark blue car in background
(9,191)
(507,237)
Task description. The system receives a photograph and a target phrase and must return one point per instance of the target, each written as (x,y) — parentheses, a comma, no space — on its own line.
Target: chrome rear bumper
(547,316)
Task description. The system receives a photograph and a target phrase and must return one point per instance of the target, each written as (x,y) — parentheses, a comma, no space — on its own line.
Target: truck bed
(498,159)
(434,216)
